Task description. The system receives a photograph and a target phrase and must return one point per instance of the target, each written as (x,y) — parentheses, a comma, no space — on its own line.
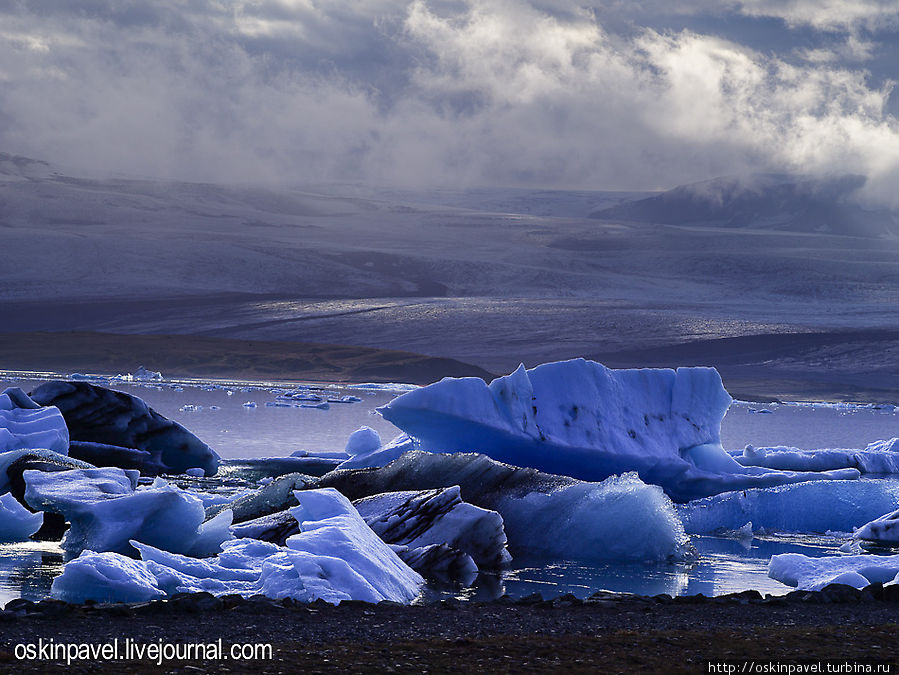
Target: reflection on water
(723,566)
(27,569)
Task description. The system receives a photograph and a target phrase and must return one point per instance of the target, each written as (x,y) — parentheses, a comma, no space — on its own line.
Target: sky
(604,95)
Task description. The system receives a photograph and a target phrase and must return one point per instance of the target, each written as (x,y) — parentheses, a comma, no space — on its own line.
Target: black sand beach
(608,633)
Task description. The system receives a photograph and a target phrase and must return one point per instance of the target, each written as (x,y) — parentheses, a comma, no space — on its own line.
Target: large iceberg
(97,415)
(335,557)
(26,424)
(620,518)
(581,419)
(106,511)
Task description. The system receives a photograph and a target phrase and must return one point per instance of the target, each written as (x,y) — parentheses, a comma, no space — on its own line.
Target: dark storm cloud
(601,94)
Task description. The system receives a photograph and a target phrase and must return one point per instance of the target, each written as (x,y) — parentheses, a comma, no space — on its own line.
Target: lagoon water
(277,426)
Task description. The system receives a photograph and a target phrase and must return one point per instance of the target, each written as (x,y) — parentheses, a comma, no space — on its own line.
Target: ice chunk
(256,468)
(815,506)
(380,455)
(580,419)
(105,577)
(428,517)
(335,557)
(878,457)
(363,441)
(558,516)
(274,497)
(26,424)
(145,375)
(15,462)
(882,531)
(105,511)
(16,522)
(813,574)
(441,563)
(100,415)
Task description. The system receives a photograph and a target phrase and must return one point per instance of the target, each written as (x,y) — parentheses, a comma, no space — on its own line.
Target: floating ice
(16,522)
(877,457)
(882,531)
(26,424)
(100,415)
(105,511)
(363,441)
(378,456)
(105,577)
(145,375)
(335,557)
(815,506)
(418,519)
(580,419)
(620,518)
(256,468)
(813,574)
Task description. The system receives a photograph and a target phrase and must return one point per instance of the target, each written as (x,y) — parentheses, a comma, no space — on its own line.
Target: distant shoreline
(202,357)
(193,356)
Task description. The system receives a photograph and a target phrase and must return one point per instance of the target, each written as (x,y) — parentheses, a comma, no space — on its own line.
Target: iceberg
(16,522)
(813,574)
(880,532)
(580,419)
(106,511)
(814,506)
(25,423)
(428,517)
(879,457)
(98,415)
(369,455)
(335,557)
(620,518)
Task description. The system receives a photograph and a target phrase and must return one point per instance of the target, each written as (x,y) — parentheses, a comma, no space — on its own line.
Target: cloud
(461,92)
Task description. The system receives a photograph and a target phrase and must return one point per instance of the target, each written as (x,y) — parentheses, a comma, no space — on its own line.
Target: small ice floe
(279,404)
(316,406)
(881,457)
(813,506)
(299,396)
(814,574)
(345,399)
(760,411)
(106,511)
(145,375)
(365,449)
(882,532)
(16,522)
(190,407)
(84,377)
(389,386)
(249,404)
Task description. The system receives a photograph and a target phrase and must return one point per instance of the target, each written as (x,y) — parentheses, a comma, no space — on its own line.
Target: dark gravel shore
(607,633)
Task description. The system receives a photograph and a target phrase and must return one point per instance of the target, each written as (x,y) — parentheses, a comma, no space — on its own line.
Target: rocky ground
(606,633)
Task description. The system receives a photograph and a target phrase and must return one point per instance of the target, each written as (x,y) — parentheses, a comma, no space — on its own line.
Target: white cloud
(464,92)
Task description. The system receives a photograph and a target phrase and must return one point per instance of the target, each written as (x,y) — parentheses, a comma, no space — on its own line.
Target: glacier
(335,557)
(581,419)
